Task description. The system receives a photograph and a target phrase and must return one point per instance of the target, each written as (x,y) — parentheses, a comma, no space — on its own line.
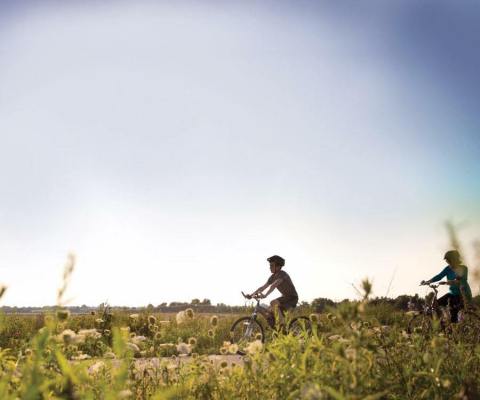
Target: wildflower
(63,314)
(125,394)
(90,333)
(152,320)
(28,352)
(446,383)
(351,353)
(331,317)
(223,364)
(314,318)
(167,345)
(99,321)
(181,317)
(183,348)
(67,336)
(192,341)
(133,347)
(226,343)
(107,332)
(211,333)
(223,350)
(96,368)
(138,339)
(189,313)
(81,357)
(233,348)
(158,336)
(151,328)
(214,320)
(367,288)
(254,347)
(334,337)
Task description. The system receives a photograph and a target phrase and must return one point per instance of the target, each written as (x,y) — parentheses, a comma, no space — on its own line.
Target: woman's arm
(436,278)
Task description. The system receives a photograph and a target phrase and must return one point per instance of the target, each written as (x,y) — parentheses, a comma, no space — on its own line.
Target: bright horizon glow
(174,148)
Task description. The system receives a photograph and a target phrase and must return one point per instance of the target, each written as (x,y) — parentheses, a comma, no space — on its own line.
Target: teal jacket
(451,275)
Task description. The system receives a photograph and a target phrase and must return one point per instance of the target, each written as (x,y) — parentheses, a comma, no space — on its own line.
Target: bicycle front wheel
(420,323)
(244,331)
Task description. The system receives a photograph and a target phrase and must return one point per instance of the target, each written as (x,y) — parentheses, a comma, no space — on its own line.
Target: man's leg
(268,315)
(276,307)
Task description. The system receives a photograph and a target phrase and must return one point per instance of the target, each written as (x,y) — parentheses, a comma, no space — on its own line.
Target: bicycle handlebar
(256,297)
(433,286)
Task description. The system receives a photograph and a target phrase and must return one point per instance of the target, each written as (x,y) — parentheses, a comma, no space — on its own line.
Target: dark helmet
(452,256)
(277,260)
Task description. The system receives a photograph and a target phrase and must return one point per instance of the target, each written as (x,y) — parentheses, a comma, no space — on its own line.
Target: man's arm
(273,287)
(260,289)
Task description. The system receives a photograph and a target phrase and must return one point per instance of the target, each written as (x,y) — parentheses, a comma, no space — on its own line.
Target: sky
(174,146)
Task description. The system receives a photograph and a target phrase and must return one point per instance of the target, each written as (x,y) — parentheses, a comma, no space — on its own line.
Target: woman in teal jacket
(457,276)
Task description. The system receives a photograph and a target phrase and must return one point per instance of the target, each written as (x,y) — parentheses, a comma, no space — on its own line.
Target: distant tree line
(319,305)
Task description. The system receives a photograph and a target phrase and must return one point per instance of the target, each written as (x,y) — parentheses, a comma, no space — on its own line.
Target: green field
(358,351)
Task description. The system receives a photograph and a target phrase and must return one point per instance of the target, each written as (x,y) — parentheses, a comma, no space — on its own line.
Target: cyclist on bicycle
(278,280)
(457,275)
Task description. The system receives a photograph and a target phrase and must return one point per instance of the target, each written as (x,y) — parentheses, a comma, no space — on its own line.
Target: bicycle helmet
(277,260)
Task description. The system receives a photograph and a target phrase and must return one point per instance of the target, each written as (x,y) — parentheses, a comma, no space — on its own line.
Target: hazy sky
(174,146)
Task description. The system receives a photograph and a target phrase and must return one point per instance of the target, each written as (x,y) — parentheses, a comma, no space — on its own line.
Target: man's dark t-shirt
(286,287)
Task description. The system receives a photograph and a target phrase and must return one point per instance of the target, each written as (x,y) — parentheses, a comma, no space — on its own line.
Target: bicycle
(247,329)
(467,327)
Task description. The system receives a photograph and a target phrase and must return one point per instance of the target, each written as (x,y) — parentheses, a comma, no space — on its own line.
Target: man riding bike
(457,275)
(278,280)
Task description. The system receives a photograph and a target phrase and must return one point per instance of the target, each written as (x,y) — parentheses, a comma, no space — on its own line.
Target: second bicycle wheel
(468,328)
(244,331)
(300,326)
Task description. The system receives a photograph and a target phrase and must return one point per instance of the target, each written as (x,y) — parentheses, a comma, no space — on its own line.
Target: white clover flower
(184,348)
(181,317)
(138,339)
(233,348)
(254,347)
(96,368)
(133,347)
(81,356)
(67,336)
(90,333)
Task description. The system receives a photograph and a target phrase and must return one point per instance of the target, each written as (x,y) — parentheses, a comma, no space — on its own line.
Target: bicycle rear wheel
(244,331)
(420,323)
(300,326)
(469,327)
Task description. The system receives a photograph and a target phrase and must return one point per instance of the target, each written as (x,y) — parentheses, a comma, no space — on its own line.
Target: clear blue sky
(173,146)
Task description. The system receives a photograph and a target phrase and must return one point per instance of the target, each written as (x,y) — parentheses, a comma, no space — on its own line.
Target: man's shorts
(287,302)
